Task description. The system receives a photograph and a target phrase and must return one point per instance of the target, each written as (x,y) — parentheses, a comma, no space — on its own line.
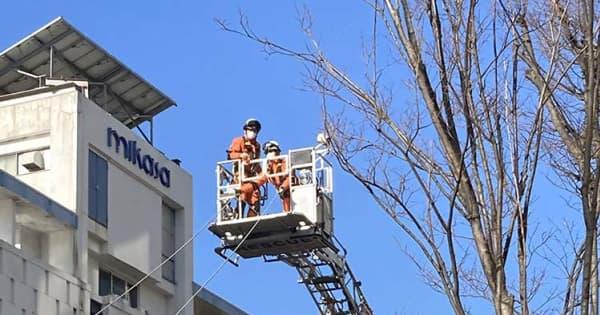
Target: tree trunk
(594,280)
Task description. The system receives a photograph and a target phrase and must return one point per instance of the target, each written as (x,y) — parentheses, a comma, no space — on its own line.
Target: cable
(156,268)
(223,263)
(218,269)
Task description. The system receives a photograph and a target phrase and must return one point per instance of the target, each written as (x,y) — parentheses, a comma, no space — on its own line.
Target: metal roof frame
(59,51)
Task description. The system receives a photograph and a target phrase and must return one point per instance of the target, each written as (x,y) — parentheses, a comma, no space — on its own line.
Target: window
(118,286)
(133,298)
(168,242)
(105,283)
(98,189)
(95,307)
(110,284)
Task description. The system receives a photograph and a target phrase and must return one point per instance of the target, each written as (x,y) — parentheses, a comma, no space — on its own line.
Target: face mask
(271,155)
(250,134)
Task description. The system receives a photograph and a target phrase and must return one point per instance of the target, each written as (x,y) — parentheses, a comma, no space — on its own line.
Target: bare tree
(453,160)
(560,50)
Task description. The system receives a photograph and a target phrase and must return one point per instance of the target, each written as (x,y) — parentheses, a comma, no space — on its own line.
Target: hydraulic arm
(301,235)
(329,280)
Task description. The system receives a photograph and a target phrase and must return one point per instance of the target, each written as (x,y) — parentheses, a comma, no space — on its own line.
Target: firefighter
(276,166)
(246,148)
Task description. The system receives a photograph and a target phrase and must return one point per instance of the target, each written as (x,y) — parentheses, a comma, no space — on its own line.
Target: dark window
(168,269)
(133,296)
(168,243)
(118,285)
(110,284)
(98,189)
(105,283)
(95,307)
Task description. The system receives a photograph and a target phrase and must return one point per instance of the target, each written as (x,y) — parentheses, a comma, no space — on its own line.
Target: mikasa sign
(135,156)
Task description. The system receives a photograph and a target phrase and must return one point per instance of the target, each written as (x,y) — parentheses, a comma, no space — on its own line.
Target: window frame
(132,298)
(97,188)
(168,271)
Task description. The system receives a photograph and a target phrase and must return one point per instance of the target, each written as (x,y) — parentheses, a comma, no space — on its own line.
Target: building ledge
(30,195)
(36,91)
(207,302)
(28,259)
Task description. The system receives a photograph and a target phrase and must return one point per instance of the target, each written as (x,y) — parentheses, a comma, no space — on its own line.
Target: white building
(87,205)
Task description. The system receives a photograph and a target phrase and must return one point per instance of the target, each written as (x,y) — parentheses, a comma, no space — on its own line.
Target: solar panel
(113,86)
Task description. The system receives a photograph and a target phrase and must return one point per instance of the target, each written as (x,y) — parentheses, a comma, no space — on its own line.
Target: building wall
(38,122)
(135,203)
(66,125)
(133,208)
(43,122)
(29,286)
(155,301)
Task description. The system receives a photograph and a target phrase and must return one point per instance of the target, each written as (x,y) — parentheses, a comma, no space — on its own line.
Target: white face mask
(250,134)
(271,155)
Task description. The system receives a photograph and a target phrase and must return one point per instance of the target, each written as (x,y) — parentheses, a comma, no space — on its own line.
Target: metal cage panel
(311,196)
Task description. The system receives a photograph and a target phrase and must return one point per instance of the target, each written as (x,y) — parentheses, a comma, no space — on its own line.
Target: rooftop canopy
(119,90)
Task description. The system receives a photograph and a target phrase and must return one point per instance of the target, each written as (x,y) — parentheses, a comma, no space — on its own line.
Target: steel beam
(150,109)
(124,104)
(58,54)
(113,73)
(16,63)
(22,68)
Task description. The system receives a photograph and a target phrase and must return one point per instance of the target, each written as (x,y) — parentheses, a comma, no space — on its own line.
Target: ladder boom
(301,235)
(330,281)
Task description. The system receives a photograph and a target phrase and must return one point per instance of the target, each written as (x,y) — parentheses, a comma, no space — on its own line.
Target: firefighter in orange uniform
(246,148)
(276,166)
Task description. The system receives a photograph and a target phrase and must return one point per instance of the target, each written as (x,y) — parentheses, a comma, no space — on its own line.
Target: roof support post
(50,75)
(152,131)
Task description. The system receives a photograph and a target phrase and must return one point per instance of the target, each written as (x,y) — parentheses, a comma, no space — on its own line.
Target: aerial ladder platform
(302,238)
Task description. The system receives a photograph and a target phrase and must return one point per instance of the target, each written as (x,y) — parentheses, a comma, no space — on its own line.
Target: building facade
(88,206)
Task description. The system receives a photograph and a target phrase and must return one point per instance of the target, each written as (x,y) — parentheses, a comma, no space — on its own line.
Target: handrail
(319,173)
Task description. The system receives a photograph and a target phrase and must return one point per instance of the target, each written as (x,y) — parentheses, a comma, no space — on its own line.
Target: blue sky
(218,80)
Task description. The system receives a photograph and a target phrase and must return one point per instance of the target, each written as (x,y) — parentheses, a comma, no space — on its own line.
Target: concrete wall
(8,220)
(154,301)
(133,209)
(135,204)
(66,125)
(54,247)
(29,286)
(44,121)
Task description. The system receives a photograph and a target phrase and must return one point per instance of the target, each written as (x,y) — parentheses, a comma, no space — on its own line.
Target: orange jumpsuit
(249,192)
(280,182)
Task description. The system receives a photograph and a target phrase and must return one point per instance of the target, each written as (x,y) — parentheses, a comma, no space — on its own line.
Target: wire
(156,268)
(214,274)
(218,269)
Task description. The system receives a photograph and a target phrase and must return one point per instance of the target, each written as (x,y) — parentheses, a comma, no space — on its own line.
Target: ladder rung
(324,279)
(330,290)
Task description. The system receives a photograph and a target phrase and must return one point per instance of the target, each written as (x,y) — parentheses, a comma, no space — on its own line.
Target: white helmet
(270,146)
(252,123)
